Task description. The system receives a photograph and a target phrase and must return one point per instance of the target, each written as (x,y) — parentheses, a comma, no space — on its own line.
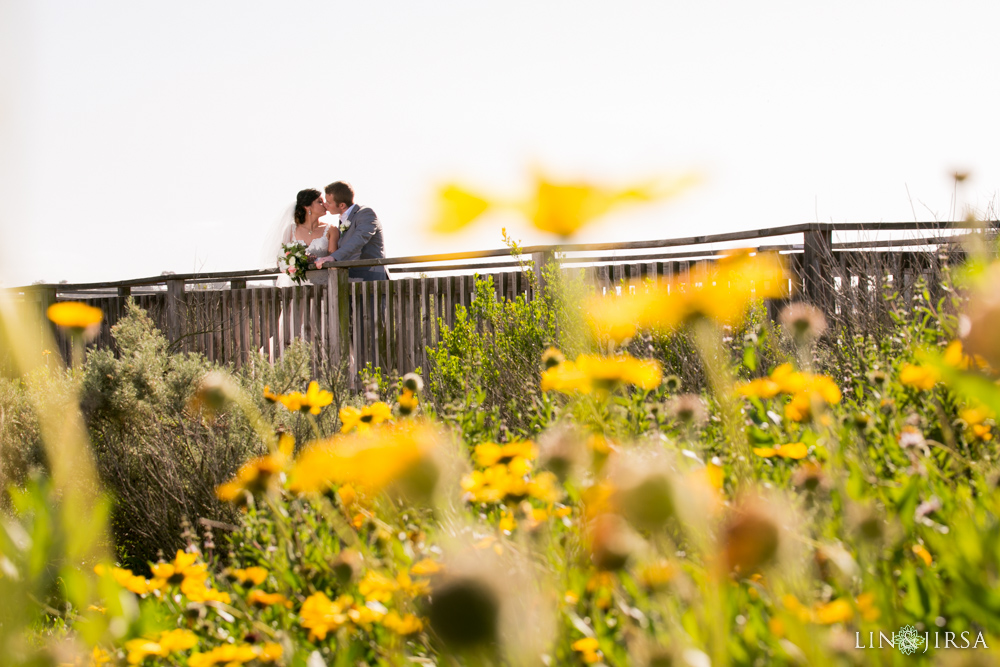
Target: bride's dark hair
(303,199)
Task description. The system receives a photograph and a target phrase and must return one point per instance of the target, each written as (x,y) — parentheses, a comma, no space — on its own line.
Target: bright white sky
(141,137)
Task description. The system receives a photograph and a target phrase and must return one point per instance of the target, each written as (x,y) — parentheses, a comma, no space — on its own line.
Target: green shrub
(489,362)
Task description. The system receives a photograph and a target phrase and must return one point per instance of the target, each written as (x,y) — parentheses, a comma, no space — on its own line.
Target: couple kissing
(354,232)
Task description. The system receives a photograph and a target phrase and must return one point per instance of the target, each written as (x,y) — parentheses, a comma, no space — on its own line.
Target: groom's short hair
(342,192)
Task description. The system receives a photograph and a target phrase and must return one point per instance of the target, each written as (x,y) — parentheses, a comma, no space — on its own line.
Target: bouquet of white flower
(294,261)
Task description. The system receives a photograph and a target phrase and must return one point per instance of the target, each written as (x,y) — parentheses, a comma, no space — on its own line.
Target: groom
(360,233)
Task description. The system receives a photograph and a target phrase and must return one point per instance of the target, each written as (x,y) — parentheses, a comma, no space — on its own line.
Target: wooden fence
(231,317)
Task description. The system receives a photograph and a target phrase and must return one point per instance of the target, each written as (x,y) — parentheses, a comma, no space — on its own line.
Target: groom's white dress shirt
(347,214)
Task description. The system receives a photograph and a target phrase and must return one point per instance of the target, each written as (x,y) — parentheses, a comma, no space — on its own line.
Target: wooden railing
(233,316)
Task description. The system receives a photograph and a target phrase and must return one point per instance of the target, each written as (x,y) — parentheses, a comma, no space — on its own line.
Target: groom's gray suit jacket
(362,240)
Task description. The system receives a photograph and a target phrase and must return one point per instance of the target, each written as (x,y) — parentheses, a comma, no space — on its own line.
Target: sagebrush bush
(20,442)
(159,459)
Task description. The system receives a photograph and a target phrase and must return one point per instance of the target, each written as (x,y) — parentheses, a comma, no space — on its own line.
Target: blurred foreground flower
(593,372)
(215,390)
(750,539)
(804,322)
(721,292)
(464,611)
(370,461)
(558,208)
(257,475)
(981,322)
(74,315)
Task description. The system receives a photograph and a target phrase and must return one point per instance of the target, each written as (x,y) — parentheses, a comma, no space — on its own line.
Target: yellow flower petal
(74,315)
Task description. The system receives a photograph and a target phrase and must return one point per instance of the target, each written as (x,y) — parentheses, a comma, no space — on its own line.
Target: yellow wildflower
(836,611)
(655,576)
(507,522)
(256,476)
(559,208)
(866,605)
(563,208)
(487,454)
(99,657)
(975,415)
(74,315)
(565,377)
(544,487)
(982,432)
(412,587)
(620,317)
(347,494)
(363,616)
(789,380)
(490,453)
(591,372)
(184,566)
(721,292)
(726,290)
(320,614)
(795,450)
(170,641)
(799,408)
(457,207)
(259,598)
(377,587)
(425,567)
(792,604)
(202,591)
(269,395)
(405,625)
(552,357)
(232,655)
(314,400)
(371,415)
(588,648)
(760,388)
(408,402)
(920,377)
(925,555)
(599,444)
(125,579)
(715,475)
(608,372)
(826,388)
(368,462)
(252,575)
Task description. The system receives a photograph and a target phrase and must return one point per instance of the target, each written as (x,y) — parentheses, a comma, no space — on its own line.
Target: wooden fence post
(175,309)
(817,267)
(338,297)
(541,260)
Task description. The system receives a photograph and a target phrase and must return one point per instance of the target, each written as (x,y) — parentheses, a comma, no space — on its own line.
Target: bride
(305,228)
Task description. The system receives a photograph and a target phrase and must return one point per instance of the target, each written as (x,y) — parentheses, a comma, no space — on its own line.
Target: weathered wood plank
(411,325)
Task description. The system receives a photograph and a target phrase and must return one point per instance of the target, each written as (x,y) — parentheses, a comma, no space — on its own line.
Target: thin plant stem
(708,341)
